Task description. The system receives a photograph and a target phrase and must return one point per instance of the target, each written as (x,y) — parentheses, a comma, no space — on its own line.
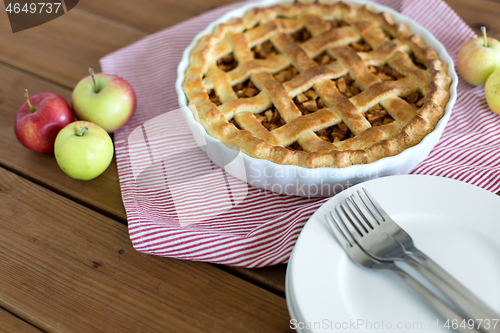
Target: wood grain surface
(66,268)
(43,205)
(11,323)
(62,50)
(477,13)
(150,15)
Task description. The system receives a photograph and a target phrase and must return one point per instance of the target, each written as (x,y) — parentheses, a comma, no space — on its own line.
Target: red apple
(478,58)
(105,100)
(40,119)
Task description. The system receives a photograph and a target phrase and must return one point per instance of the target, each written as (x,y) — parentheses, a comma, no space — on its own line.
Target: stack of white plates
(456,224)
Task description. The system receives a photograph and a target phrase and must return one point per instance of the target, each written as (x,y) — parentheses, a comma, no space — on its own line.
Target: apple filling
(416,100)
(301,35)
(286,74)
(385,73)
(309,101)
(214,98)
(245,89)
(361,46)
(416,62)
(264,50)
(324,59)
(270,119)
(227,62)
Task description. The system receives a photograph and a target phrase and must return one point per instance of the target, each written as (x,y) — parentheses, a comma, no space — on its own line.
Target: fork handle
(437,303)
(471,306)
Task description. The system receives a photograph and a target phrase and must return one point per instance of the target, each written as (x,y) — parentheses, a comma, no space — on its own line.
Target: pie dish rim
(427,143)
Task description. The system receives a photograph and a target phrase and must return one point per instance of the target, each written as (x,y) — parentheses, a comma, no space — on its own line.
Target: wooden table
(66,262)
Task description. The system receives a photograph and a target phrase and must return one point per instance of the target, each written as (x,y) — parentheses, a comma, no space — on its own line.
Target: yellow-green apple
(478,58)
(105,100)
(39,120)
(492,91)
(83,150)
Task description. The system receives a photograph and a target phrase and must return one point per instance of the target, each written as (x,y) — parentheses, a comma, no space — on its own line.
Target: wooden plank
(155,15)
(62,50)
(66,268)
(271,278)
(101,194)
(478,13)
(61,66)
(150,15)
(12,324)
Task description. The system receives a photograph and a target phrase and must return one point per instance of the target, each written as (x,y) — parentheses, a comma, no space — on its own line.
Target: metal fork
(383,239)
(356,253)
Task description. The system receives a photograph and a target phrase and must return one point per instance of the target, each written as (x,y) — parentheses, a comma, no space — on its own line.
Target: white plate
(456,224)
(319,182)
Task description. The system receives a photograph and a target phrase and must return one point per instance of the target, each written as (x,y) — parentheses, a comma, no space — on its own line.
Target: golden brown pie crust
(316,84)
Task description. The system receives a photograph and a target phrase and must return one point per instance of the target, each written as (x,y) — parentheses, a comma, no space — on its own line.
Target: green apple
(478,58)
(105,100)
(83,150)
(492,91)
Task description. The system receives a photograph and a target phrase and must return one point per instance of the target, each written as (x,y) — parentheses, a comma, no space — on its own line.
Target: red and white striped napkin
(167,180)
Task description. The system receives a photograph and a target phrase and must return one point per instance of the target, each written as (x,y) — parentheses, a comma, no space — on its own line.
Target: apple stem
(81,131)
(483,29)
(32,109)
(91,71)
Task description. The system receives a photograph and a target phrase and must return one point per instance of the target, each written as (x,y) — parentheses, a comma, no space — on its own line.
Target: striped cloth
(180,205)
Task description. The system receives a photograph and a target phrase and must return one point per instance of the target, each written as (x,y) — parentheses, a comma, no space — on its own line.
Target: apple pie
(316,84)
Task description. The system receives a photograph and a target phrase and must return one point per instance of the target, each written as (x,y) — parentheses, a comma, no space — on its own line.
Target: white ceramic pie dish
(318,182)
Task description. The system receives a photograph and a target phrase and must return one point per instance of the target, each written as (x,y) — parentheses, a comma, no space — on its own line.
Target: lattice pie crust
(316,84)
